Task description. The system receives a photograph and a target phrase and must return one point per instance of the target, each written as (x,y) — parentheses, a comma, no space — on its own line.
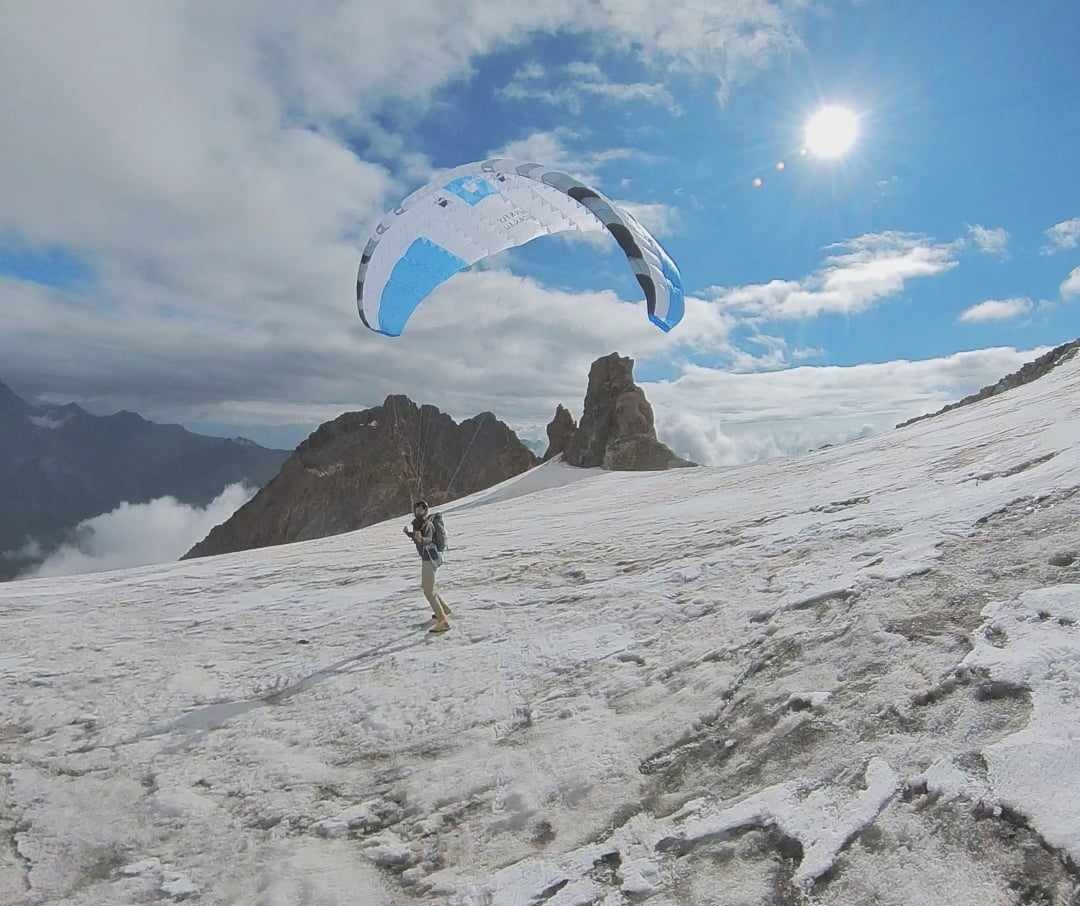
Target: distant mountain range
(60,465)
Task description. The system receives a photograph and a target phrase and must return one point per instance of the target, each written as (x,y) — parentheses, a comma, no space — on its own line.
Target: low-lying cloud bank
(136,534)
(721,418)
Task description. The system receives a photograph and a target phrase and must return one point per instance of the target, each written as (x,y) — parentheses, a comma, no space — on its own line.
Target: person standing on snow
(422,533)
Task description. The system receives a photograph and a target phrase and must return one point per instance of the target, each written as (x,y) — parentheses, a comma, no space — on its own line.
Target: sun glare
(831,132)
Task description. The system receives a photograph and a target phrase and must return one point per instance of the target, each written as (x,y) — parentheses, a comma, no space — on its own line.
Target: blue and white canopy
(482,208)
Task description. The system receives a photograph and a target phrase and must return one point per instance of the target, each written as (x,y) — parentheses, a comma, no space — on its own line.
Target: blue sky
(965,121)
(42,265)
(183,244)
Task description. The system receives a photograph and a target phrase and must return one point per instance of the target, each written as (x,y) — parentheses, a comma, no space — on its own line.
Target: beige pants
(427,582)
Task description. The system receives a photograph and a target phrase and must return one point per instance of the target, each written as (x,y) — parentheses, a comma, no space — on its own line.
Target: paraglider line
(461,462)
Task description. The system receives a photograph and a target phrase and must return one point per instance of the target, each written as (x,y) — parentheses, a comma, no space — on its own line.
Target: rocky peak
(617,430)
(367,466)
(559,432)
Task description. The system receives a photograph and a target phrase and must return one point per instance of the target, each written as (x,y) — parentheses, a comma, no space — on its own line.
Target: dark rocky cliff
(364,467)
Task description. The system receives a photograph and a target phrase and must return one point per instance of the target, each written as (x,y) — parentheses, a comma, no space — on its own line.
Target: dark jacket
(425,547)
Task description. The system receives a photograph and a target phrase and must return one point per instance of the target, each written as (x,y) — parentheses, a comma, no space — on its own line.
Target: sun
(831,132)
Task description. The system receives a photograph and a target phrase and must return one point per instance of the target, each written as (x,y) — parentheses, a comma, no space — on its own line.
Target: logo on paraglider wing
(470,189)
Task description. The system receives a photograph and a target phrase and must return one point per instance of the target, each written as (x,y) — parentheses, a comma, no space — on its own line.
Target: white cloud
(1063,236)
(707,442)
(720,418)
(730,41)
(534,351)
(48,422)
(1071,286)
(626,92)
(530,72)
(527,90)
(578,81)
(996,310)
(600,240)
(989,241)
(775,354)
(219,201)
(234,119)
(659,219)
(866,270)
(140,534)
(586,71)
(553,147)
(32,550)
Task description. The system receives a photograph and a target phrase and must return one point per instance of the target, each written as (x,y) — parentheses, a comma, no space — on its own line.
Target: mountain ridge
(60,465)
(366,466)
(1030,371)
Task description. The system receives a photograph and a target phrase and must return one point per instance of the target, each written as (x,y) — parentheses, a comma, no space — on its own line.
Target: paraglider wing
(479,209)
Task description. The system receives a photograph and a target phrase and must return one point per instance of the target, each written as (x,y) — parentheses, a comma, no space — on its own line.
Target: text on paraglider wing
(511,219)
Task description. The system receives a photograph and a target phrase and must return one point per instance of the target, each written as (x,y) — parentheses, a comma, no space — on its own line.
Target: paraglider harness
(439,533)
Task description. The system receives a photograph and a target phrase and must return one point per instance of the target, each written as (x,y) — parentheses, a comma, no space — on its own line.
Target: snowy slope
(852,675)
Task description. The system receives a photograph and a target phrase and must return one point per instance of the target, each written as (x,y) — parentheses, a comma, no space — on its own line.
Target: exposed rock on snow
(639,878)
(177,885)
(1039,650)
(366,818)
(390,851)
(141,868)
(823,821)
